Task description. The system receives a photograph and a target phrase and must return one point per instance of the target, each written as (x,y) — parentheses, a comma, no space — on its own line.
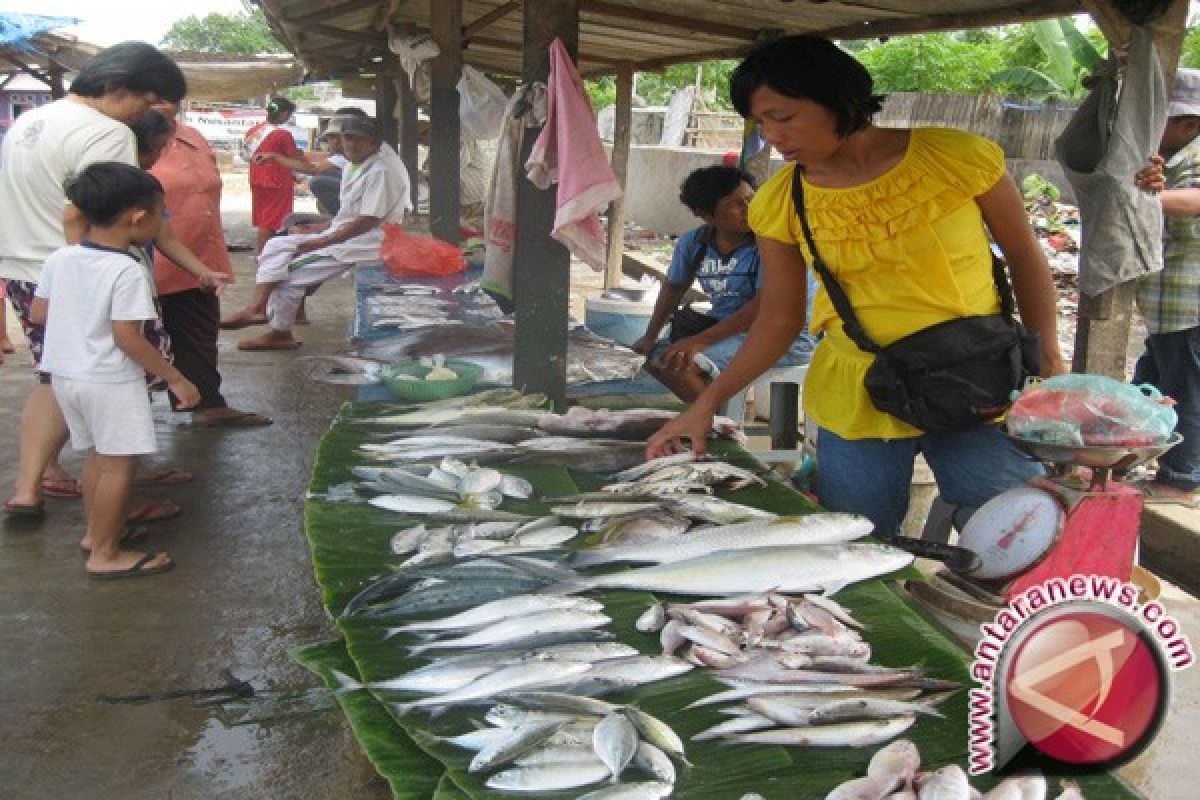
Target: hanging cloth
(569,152)
(1109,139)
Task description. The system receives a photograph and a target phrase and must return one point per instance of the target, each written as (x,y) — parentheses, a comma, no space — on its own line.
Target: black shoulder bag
(947,377)
(686,321)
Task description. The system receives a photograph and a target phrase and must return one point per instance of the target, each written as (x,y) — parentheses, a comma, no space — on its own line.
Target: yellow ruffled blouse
(910,250)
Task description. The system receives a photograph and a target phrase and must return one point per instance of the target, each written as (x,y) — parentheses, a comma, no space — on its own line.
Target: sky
(106,22)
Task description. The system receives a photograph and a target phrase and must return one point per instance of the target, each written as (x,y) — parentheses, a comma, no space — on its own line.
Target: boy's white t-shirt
(46,148)
(88,286)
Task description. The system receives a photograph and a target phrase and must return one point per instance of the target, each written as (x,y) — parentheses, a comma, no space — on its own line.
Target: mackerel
(653,761)
(806,693)
(646,790)
(549,777)
(524,739)
(615,741)
(656,732)
(501,609)
(843,734)
(560,754)
(527,627)
(505,679)
(744,723)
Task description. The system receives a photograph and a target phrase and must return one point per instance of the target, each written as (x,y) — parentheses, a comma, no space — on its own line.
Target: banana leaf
(350,547)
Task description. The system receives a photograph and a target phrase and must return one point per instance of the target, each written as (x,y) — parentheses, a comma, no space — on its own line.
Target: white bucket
(623,321)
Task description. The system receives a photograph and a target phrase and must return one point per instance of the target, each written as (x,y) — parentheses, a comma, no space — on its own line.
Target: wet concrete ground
(243,592)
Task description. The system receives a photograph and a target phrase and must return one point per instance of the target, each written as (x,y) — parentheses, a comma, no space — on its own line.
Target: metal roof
(342,37)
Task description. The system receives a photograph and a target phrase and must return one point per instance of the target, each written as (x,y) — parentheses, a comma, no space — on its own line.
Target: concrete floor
(243,592)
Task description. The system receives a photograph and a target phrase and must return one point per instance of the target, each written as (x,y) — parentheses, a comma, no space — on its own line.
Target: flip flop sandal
(165,476)
(154,511)
(61,487)
(138,570)
(132,535)
(242,419)
(253,346)
(239,323)
(23,510)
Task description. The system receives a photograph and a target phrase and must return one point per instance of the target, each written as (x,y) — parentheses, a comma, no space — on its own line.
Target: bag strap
(703,238)
(837,295)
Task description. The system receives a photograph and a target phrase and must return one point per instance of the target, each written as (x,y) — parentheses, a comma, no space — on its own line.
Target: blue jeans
(721,353)
(1172,364)
(872,476)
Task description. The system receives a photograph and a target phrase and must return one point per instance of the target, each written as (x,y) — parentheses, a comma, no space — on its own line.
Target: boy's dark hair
(350,111)
(809,68)
(107,188)
(148,128)
(279,107)
(704,188)
(135,66)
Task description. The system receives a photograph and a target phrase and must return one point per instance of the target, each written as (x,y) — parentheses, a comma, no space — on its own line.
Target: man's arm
(310,164)
(1180,202)
(173,248)
(127,334)
(355,227)
(37,312)
(681,353)
(669,296)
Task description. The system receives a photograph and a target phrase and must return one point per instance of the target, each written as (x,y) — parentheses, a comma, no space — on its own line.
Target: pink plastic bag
(405,254)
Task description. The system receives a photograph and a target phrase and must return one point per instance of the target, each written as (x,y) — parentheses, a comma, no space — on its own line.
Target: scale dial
(1012,531)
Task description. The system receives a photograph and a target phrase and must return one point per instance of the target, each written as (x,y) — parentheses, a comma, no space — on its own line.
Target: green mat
(350,548)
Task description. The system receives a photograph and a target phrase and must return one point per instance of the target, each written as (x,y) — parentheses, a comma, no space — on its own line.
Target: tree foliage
(243,33)
(934,62)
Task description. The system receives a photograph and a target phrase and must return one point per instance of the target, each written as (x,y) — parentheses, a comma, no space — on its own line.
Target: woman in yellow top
(901,217)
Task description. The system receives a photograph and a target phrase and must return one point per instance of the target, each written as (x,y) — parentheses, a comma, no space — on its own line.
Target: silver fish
(514,486)
(843,734)
(716,510)
(742,692)
(652,619)
(637,670)
(543,537)
(741,724)
(588,509)
(440,680)
(654,762)
(869,708)
(646,790)
(507,715)
(408,540)
(412,504)
(656,732)
(505,679)
(653,465)
(479,739)
(524,739)
(505,608)
(522,628)
(549,777)
(615,741)
(560,754)
(558,701)
(647,526)
(794,569)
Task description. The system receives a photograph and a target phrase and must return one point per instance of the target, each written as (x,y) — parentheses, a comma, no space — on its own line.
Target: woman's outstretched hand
(691,425)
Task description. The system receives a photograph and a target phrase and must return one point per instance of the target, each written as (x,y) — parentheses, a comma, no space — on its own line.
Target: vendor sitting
(722,255)
(375,190)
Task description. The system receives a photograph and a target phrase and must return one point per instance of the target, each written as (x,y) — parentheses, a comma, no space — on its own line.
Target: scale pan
(1097,456)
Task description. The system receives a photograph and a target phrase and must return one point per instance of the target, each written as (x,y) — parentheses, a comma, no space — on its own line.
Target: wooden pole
(385,99)
(541,266)
(445,20)
(57,90)
(1104,322)
(620,164)
(409,131)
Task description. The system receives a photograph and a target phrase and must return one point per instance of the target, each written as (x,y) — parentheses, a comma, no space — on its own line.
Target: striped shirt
(1170,300)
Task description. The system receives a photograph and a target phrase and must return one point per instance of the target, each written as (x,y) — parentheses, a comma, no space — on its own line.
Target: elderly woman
(375,190)
(902,219)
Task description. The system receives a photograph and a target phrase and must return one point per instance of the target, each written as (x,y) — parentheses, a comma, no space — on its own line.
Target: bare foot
(243,319)
(271,340)
(6,346)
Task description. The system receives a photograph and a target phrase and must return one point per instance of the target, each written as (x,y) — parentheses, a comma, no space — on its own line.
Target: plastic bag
(1079,410)
(405,254)
(480,105)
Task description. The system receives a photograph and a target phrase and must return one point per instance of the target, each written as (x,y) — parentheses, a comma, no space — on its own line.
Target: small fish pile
(800,668)
(427,489)
(547,741)
(680,474)
(894,773)
(436,545)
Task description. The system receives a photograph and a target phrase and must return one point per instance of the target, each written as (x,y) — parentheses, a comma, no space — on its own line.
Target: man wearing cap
(374,191)
(1170,300)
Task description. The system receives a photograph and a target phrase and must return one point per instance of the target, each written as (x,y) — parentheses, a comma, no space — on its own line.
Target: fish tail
(590,558)
(345,682)
(570,587)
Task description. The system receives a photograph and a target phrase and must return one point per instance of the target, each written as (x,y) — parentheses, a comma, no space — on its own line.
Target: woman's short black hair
(149,128)
(704,188)
(135,66)
(809,68)
(102,191)
(350,111)
(278,108)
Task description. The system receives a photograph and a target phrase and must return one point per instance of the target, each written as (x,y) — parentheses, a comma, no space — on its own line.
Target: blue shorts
(721,353)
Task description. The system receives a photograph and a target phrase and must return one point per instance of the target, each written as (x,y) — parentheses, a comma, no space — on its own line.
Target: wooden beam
(622,123)
(28,69)
(541,266)
(409,132)
(330,13)
(57,89)
(685,25)
(495,15)
(515,47)
(445,22)
(656,64)
(385,98)
(1025,11)
(376,40)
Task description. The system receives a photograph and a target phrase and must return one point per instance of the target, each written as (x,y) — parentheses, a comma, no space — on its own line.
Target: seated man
(722,255)
(375,190)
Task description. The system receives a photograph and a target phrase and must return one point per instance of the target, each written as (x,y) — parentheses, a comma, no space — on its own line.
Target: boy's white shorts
(114,419)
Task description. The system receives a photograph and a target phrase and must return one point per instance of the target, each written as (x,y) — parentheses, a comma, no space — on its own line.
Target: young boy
(93,299)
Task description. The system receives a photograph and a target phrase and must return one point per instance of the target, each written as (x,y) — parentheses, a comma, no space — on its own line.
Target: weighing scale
(1070,522)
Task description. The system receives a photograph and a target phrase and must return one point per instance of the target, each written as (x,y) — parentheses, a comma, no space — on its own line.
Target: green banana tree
(1070,57)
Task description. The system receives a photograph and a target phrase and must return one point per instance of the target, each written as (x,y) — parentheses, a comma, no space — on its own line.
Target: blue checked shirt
(1170,300)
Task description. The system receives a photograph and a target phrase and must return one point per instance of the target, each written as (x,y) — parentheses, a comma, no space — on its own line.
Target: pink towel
(568,151)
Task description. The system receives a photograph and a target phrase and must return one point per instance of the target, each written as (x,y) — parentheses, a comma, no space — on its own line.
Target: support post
(1102,331)
(409,131)
(385,99)
(445,20)
(541,266)
(57,90)
(620,164)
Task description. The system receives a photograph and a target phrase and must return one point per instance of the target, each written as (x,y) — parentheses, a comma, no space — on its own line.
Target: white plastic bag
(480,105)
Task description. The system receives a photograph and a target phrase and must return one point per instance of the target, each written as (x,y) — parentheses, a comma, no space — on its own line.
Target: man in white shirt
(375,190)
(44,149)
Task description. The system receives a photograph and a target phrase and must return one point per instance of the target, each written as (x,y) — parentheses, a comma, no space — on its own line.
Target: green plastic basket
(422,391)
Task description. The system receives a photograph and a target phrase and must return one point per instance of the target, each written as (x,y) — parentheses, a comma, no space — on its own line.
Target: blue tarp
(17,29)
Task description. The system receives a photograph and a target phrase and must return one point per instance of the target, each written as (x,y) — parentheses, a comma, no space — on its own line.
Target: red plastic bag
(405,254)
